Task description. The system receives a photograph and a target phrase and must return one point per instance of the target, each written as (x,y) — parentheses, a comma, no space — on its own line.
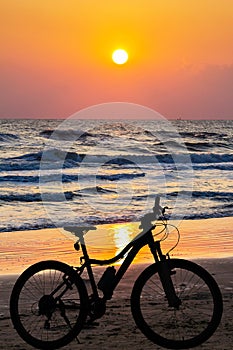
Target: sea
(55,173)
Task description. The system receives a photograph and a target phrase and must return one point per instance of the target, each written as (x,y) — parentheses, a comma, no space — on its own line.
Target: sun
(120,56)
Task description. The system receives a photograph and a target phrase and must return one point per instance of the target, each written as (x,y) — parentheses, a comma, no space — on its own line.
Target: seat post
(83,246)
(88,266)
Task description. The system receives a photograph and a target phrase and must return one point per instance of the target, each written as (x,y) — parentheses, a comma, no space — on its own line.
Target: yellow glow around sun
(120,56)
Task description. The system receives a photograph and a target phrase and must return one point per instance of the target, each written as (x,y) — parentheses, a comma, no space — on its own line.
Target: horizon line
(169,118)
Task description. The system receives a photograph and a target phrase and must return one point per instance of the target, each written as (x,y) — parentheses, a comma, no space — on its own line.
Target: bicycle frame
(132,249)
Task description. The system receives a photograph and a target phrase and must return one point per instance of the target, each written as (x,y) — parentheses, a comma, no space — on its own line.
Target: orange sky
(56,56)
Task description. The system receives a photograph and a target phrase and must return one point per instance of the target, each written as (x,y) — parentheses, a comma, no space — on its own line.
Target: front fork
(165,273)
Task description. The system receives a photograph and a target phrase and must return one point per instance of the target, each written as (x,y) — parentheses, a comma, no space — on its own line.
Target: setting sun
(120,56)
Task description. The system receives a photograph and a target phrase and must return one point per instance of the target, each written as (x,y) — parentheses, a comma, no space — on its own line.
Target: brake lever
(164,209)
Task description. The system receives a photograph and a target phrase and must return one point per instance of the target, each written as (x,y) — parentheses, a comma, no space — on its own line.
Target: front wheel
(187,325)
(48,305)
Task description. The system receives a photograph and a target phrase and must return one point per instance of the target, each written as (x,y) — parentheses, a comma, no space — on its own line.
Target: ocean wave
(197,158)
(7,137)
(93,190)
(53,197)
(212,215)
(115,177)
(27,226)
(66,135)
(213,195)
(56,155)
(106,177)
(198,146)
(118,161)
(66,178)
(211,158)
(220,196)
(204,146)
(19,178)
(43,223)
(52,154)
(226,198)
(224,166)
(199,162)
(75,135)
(36,197)
(202,135)
(80,220)
(52,157)
(10,166)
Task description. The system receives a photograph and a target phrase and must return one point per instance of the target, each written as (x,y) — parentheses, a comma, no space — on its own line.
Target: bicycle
(174,302)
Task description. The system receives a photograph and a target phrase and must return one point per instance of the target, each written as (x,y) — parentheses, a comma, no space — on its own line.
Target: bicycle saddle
(79,230)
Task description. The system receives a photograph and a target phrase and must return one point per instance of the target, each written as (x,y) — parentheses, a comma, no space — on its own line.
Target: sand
(117,329)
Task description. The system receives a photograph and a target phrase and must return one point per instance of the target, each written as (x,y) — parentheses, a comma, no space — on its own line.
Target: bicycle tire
(187,326)
(48,322)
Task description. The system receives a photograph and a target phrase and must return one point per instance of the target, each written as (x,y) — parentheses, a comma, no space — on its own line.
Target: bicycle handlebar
(146,220)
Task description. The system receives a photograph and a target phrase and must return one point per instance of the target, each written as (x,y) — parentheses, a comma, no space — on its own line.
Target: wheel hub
(47,305)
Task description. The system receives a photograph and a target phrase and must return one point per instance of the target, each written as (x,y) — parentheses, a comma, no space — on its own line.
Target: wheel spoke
(188,325)
(41,305)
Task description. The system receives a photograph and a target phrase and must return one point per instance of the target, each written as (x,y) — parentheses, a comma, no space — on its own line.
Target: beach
(116,114)
(208,242)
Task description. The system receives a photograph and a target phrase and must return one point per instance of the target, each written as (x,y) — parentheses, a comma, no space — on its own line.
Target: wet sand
(209,238)
(117,329)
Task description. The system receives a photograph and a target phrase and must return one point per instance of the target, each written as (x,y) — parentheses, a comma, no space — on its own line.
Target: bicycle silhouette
(175,303)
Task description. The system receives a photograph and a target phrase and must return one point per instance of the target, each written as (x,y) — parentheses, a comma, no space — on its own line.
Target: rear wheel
(48,305)
(187,325)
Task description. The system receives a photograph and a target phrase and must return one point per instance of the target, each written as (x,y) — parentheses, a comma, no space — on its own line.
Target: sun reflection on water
(122,236)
